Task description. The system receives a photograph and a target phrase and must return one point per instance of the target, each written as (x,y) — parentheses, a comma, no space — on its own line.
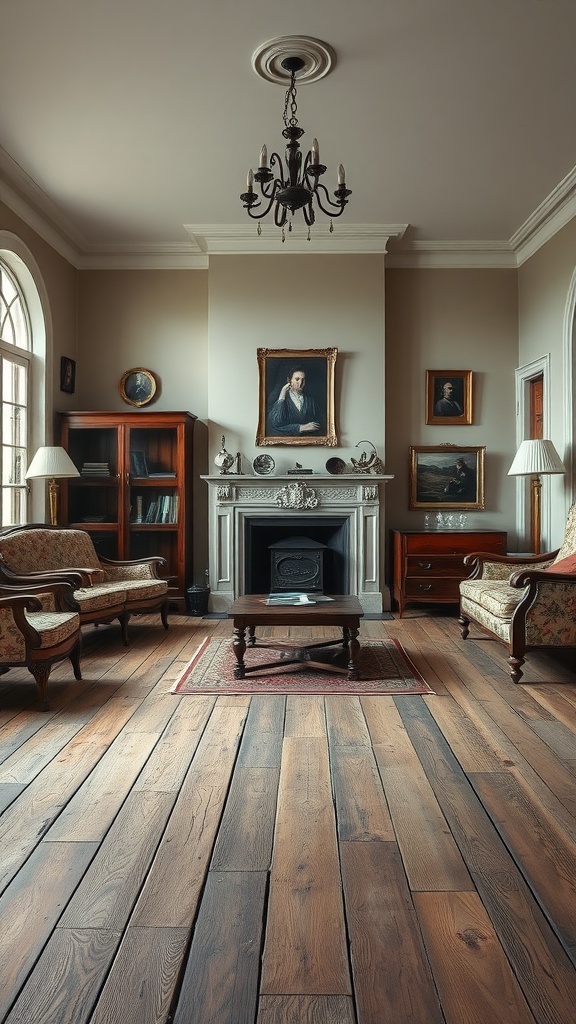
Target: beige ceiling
(123,121)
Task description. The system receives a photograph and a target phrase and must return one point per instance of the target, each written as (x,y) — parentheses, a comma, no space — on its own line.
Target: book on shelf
(163,509)
(95,469)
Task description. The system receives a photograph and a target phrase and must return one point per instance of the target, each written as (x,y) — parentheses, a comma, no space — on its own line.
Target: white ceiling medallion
(319,59)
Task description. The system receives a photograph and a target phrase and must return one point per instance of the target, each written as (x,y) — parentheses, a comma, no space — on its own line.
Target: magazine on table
(296,597)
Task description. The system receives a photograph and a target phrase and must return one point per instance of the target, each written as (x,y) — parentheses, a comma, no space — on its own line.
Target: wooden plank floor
(286,859)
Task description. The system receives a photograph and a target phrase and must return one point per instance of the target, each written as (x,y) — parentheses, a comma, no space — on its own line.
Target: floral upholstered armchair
(526,603)
(36,631)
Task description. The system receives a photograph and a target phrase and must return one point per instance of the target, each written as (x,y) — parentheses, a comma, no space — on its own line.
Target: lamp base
(53,502)
(535,512)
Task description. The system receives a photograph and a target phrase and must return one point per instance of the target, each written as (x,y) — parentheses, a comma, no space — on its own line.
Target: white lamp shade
(51,463)
(535,457)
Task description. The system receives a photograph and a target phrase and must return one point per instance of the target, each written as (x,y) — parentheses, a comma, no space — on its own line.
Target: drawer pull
(424,565)
(425,586)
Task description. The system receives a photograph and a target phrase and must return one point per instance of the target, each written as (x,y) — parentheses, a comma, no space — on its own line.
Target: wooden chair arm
(477,559)
(76,577)
(531,577)
(62,592)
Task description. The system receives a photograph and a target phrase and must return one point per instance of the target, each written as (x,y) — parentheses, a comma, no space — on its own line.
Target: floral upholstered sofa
(527,603)
(104,590)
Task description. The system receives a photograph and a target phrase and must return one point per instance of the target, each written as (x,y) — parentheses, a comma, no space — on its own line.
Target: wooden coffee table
(251,611)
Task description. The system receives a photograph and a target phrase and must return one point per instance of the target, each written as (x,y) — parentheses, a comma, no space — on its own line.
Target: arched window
(15,364)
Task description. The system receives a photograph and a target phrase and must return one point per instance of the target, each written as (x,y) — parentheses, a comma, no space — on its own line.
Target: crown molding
(453,256)
(174,256)
(547,220)
(26,199)
(243,239)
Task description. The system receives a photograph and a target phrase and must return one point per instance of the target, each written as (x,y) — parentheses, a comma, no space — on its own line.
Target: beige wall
(452,320)
(296,302)
(151,318)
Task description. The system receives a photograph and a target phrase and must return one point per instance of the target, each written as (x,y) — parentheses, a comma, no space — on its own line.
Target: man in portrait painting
(293,410)
(463,484)
(447,404)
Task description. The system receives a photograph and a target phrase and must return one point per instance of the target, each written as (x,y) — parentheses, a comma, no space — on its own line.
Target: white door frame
(524,375)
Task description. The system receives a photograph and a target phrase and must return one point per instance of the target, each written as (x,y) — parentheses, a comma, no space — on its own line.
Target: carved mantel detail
(235,502)
(296,496)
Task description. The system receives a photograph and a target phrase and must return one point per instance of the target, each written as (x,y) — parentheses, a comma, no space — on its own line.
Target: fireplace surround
(345,512)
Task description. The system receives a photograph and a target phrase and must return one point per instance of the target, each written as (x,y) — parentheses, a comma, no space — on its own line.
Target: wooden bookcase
(134,494)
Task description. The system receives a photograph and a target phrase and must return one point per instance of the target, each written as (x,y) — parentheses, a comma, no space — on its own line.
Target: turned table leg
(353,652)
(239,648)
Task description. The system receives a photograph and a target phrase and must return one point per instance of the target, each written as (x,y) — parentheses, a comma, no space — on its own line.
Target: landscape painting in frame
(447,476)
(449,397)
(296,396)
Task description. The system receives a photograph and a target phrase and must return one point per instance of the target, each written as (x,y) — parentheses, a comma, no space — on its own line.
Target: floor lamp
(536,458)
(52,464)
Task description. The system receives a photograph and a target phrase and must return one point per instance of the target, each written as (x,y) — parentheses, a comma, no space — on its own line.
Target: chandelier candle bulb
(341,175)
(250,180)
(315,152)
(264,157)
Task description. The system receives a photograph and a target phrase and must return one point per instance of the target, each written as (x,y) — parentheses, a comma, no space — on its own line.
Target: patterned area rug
(384,668)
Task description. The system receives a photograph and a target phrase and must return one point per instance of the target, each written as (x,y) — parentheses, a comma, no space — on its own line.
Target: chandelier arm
(270,189)
(334,209)
(308,212)
(258,208)
(280,215)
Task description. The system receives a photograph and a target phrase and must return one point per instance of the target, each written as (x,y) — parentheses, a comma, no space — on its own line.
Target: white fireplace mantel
(357,497)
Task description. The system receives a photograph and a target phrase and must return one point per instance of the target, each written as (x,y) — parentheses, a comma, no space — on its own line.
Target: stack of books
(95,469)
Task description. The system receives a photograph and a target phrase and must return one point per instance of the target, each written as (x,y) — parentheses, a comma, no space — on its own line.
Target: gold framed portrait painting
(296,396)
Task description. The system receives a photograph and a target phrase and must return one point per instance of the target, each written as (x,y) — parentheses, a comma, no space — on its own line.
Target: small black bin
(197,600)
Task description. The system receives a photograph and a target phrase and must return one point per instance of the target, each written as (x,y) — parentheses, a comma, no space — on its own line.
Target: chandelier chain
(291,121)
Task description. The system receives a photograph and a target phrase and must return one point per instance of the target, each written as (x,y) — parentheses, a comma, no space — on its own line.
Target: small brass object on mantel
(368,462)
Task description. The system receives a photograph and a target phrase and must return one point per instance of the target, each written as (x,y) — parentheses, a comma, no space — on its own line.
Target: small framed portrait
(296,396)
(67,374)
(447,476)
(449,397)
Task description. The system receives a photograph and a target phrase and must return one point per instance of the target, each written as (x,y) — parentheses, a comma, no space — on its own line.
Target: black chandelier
(295,186)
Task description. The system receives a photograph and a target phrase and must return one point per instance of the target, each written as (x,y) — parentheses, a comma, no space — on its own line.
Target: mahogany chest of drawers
(429,564)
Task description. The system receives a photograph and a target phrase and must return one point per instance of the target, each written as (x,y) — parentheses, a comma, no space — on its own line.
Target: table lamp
(51,464)
(536,458)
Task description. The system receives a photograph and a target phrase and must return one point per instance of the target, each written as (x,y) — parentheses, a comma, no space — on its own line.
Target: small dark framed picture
(449,397)
(138,464)
(67,374)
(447,476)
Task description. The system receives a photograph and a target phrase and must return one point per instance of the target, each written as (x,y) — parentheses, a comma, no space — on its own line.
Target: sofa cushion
(54,627)
(140,590)
(99,597)
(498,598)
(567,564)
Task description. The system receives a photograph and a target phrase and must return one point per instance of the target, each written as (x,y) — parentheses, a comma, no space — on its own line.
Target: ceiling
(127,128)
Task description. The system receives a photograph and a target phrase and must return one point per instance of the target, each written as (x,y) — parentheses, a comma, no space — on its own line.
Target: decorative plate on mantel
(263,465)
